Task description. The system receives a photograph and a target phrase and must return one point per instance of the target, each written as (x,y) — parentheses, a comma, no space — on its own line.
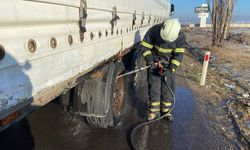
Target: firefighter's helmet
(170,30)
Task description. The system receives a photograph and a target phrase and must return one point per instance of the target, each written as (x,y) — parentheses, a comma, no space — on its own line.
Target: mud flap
(89,96)
(92,98)
(97,97)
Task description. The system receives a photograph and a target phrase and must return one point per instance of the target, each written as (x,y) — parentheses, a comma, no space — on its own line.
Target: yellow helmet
(170,30)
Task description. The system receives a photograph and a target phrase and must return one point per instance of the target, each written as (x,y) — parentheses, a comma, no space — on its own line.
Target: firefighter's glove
(165,72)
(161,72)
(160,68)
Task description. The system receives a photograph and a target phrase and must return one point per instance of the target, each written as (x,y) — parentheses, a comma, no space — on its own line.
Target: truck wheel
(64,100)
(115,89)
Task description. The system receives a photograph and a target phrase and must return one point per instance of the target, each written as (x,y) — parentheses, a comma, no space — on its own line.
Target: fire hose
(167,115)
(142,124)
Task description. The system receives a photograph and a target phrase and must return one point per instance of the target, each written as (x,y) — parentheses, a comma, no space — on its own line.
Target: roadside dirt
(225,99)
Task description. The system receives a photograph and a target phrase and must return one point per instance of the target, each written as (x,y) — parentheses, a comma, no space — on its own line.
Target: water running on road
(52,128)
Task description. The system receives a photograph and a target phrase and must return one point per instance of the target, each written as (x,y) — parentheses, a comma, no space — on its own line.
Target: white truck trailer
(71,49)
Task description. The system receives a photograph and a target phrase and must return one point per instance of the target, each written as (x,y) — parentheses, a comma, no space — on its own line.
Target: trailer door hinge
(149,18)
(115,17)
(83,17)
(142,18)
(134,18)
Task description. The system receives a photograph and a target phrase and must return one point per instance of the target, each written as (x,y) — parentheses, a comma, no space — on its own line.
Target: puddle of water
(189,129)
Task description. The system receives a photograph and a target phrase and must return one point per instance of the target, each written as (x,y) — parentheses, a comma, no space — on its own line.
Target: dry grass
(214,95)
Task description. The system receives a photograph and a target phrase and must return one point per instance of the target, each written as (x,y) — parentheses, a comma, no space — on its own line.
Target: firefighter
(163,48)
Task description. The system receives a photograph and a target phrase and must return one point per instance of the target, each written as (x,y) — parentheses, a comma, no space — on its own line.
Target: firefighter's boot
(169,117)
(154,111)
(165,110)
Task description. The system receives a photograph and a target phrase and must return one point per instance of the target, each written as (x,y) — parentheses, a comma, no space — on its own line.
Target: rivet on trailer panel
(112,32)
(100,34)
(32,46)
(106,33)
(2,52)
(92,35)
(70,40)
(53,42)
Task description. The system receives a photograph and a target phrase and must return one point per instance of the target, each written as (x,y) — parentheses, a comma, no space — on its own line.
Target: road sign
(201,9)
(202,15)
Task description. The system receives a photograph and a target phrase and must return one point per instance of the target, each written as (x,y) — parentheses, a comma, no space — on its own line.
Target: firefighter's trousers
(160,98)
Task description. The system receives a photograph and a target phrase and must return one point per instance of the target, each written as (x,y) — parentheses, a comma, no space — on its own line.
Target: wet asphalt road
(50,128)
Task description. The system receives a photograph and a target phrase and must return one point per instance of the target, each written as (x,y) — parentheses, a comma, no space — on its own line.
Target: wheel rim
(119,96)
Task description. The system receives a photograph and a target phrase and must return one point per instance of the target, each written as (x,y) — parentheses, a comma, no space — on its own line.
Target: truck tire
(64,100)
(115,89)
